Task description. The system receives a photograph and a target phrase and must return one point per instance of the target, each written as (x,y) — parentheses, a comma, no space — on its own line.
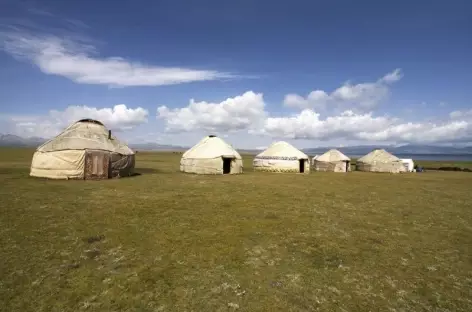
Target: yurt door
(407,166)
(227,165)
(302,165)
(97,165)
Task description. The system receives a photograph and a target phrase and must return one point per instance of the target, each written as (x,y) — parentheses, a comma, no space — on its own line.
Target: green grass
(167,241)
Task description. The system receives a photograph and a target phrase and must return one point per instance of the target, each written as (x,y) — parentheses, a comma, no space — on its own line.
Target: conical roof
(85,134)
(332,156)
(283,150)
(379,155)
(211,147)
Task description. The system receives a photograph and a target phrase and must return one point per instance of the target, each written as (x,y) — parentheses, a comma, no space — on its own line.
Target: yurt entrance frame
(301,163)
(227,165)
(97,165)
(407,167)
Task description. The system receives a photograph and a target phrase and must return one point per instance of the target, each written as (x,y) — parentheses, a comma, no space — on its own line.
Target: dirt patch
(94,238)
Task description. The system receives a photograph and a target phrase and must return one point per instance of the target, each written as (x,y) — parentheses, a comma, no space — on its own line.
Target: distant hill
(159,147)
(14,140)
(17,141)
(156,147)
(409,149)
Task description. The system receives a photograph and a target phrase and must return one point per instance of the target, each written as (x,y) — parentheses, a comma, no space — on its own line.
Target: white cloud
(315,99)
(366,127)
(392,77)
(362,96)
(38,11)
(247,112)
(461,114)
(239,113)
(118,118)
(79,62)
(308,125)
(422,132)
(246,128)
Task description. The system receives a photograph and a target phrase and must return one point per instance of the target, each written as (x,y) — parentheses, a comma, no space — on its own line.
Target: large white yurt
(282,157)
(333,160)
(84,150)
(211,155)
(380,160)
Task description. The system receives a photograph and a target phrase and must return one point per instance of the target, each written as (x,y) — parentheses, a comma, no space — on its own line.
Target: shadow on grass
(454,169)
(24,172)
(141,171)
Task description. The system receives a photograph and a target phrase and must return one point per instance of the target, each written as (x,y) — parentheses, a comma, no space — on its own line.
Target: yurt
(282,157)
(84,150)
(211,155)
(333,160)
(380,160)
(408,163)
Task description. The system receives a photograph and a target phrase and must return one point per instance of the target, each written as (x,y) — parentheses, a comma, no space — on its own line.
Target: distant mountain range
(408,149)
(17,141)
(14,140)
(156,147)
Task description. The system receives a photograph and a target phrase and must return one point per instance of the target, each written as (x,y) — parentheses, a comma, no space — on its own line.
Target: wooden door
(97,165)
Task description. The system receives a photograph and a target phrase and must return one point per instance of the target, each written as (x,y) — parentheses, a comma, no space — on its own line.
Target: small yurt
(333,160)
(282,157)
(211,155)
(380,160)
(84,150)
(408,163)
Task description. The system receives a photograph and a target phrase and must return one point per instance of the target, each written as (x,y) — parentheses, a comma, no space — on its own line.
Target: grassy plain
(166,241)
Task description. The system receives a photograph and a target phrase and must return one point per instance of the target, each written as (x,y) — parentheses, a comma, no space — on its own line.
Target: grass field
(167,241)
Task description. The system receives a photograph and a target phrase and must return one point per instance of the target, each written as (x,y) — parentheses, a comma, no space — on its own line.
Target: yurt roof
(85,134)
(91,121)
(282,149)
(211,147)
(333,155)
(378,155)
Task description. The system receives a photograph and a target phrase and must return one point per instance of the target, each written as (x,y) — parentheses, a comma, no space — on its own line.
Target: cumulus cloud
(80,62)
(392,77)
(366,127)
(241,112)
(247,112)
(244,119)
(118,118)
(308,125)
(31,126)
(461,114)
(362,96)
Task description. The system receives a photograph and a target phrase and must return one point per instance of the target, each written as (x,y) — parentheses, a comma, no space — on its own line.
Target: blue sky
(311,72)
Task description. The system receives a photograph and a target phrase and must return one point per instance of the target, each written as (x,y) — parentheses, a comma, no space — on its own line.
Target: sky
(313,73)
